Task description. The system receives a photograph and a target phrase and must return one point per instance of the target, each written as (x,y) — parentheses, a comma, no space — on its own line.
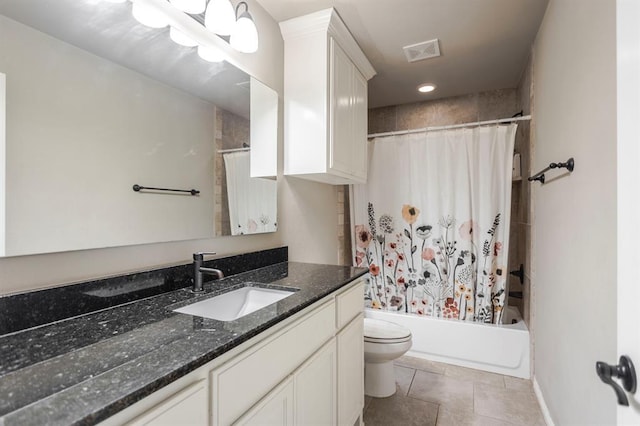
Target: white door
(628,70)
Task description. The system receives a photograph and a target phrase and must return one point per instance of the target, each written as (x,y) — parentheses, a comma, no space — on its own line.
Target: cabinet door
(275,409)
(315,388)
(351,371)
(359,127)
(340,134)
(188,407)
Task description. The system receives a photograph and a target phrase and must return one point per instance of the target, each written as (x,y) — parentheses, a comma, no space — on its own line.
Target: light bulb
(210,54)
(426,88)
(181,38)
(193,7)
(220,17)
(244,37)
(148,15)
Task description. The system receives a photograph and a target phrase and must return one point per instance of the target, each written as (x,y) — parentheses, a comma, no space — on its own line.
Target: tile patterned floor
(431,393)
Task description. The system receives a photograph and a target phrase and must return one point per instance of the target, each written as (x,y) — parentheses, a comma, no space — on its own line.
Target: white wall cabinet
(325,100)
(307,370)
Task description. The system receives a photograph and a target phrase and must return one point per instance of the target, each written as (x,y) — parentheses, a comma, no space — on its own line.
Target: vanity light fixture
(220,17)
(210,54)
(244,37)
(148,16)
(181,38)
(193,7)
(426,88)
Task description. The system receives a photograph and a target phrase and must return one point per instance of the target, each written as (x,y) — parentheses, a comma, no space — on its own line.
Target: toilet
(384,342)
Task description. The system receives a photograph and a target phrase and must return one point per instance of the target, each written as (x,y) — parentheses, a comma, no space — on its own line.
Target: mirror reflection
(96,103)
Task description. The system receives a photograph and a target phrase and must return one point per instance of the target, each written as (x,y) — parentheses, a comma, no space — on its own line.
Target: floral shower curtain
(432,222)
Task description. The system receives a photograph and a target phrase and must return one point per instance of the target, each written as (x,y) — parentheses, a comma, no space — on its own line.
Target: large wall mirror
(95,103)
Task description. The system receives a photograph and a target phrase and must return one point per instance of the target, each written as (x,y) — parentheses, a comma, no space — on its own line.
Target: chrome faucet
(199,270)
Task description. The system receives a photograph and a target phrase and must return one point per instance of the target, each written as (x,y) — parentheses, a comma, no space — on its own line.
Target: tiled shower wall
(231,132)
(490,105)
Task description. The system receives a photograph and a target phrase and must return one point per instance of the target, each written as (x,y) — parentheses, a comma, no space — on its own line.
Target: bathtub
(502,349)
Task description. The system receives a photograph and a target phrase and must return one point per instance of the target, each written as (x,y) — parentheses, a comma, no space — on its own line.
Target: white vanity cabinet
(308,369)
(325,100)
(322,353)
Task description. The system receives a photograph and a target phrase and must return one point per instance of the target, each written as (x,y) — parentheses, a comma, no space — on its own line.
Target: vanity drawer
(241,382)
(349,303)
(189,406)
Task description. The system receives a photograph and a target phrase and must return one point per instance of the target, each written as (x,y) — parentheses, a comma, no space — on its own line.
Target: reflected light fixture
(244,37)
(426,88)
(220,17)
(181,38)
(210,54)
(192,7)
(148,15)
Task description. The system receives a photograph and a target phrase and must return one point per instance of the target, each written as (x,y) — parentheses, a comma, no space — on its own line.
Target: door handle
(624,371)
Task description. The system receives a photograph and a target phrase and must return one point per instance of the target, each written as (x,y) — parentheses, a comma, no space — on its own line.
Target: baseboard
(543,405)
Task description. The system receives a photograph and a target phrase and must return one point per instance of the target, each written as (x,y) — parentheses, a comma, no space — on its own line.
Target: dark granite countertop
(84,369)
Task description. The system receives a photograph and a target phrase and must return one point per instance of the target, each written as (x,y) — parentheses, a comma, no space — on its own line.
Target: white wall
(574,223)
(309,221)
(38,271)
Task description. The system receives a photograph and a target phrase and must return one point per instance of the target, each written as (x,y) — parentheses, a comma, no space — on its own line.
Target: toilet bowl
(384,342)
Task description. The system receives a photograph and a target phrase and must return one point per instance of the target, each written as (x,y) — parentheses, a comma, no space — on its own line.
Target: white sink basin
(235,304)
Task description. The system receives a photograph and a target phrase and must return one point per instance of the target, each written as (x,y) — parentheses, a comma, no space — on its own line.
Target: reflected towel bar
(569,165)
(139,188)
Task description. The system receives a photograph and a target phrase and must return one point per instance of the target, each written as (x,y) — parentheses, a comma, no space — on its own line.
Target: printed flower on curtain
(450,309)
(374,270)
(428,254)
(466,230)
(423,232)
(363,236)
(410,214)
(386,224)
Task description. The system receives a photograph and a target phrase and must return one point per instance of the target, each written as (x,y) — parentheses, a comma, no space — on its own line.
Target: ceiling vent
(425,50)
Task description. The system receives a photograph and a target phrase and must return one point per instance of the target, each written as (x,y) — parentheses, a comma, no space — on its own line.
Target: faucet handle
(199,255)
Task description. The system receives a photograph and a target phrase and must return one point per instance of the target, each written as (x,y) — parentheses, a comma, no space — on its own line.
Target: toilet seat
(378,331)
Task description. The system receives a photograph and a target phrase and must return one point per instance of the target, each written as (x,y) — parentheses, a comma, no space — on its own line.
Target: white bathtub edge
(521,372)
(509,344)
(543,405)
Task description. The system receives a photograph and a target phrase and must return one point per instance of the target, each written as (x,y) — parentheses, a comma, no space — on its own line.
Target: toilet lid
(385,331)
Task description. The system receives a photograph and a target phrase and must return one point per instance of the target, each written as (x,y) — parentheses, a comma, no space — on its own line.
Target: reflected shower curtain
(252,201)
(432,222)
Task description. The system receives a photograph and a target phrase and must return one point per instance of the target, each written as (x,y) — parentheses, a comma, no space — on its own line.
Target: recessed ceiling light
(426,88)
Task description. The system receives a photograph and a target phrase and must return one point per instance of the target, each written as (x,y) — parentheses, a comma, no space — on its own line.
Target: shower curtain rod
(454,126)
(224,151)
